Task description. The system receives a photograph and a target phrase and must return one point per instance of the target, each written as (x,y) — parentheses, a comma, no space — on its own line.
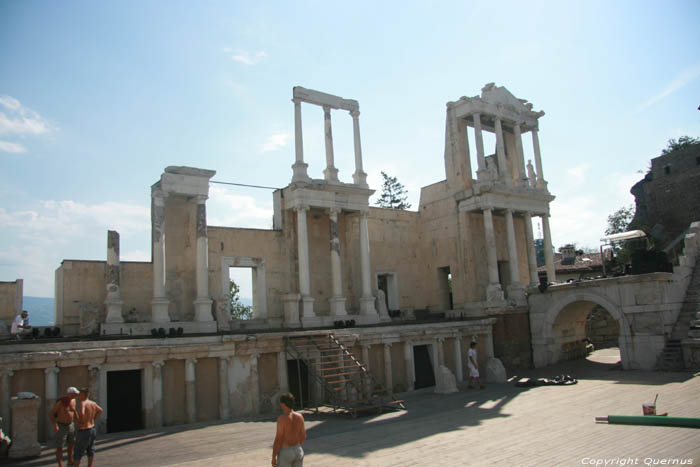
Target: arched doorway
(564,329)
(602,329)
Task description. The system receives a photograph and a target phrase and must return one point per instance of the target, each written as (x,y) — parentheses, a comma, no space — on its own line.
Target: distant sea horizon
(41,309)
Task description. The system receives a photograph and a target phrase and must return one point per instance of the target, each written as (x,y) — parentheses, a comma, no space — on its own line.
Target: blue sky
(97,98)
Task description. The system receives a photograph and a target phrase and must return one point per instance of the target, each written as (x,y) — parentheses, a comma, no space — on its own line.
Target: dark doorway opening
(423,367)
(124,401)
(298,375)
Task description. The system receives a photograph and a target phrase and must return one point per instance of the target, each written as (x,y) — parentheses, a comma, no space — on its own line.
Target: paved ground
(500,425)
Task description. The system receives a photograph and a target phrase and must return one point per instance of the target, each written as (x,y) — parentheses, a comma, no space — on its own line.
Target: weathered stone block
(446,382)
(495,371)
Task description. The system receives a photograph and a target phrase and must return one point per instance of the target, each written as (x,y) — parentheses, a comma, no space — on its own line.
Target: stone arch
(565,322)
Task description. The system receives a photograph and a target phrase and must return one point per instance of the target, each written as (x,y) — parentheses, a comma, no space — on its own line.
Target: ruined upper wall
(10,300)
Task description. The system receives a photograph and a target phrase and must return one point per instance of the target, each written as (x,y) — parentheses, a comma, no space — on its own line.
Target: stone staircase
(347,384)
(687,324)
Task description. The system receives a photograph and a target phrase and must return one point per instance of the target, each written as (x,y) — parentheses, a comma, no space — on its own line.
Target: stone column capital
(387,345)
(95,367)
(52,369)
(191,361)
(327,109)
(297,101)
(440,339)
(200,199)
(301,208)
(158,364)
(354,113)
(6,372)
(334,211)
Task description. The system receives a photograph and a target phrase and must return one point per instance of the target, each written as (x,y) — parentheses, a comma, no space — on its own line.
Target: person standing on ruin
(20,325)
(61,416)
(287,449)
(473,366)
(86,412)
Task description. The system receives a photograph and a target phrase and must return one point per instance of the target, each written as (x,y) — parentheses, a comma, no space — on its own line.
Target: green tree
(393,194)
(680,144)
(619,221)
(237,308)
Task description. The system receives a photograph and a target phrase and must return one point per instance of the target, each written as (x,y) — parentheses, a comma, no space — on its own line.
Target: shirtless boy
(287,449)
(86,412)
(61,416)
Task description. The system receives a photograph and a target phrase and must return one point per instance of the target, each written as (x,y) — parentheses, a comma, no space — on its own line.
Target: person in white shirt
(473,364)
(20,325)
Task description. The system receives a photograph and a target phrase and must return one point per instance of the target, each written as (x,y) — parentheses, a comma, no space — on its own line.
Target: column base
(331,174)
(516,293)
(159,310)
(338,306)
(202,309)
(307,306)
(360,178)
(300,174)
(291,310)
(367,306)
(494,293)
(114,311)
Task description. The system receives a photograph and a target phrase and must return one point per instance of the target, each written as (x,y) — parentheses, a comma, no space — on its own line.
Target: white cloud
(230,210)
(245,57)
(579,172)
(135,255)
(21,120)
(14,148)
(276,141)
(685,78)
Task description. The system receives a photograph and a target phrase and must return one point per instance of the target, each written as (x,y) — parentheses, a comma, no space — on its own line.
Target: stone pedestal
(114,311)
(291,310)
(446,382)
(25,428)
(495,371)
(202,310)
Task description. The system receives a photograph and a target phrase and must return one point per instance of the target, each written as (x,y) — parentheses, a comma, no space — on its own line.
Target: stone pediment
(500,95)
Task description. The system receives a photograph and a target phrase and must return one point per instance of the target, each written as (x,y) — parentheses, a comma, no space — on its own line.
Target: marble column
(282,375)
(520,156)
(50,393)
(367,300)
(541,183)
(410,367)
(191,389)
(459,373)
(501,154)
(159,304)
(512,251)
(365,356)
(441,350)
(359,177)
(224,407)
(299,168)
(493,290)
(331,173)
(531,253)
(5,375)
(158,392)
(548,258)
(202,304)
(436,358)
(482,172)
(113,303)
(388,376)
(255,381)
(337,301)
(304,272)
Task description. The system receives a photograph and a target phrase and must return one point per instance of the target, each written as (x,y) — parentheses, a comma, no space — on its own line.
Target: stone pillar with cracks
(113,303)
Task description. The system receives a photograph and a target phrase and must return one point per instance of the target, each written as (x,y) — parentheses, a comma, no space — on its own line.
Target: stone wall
(10,301)
(602,329)
(511,340)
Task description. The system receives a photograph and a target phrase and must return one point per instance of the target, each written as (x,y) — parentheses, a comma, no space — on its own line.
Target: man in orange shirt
(287,449)
(86,412)
(61,416)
